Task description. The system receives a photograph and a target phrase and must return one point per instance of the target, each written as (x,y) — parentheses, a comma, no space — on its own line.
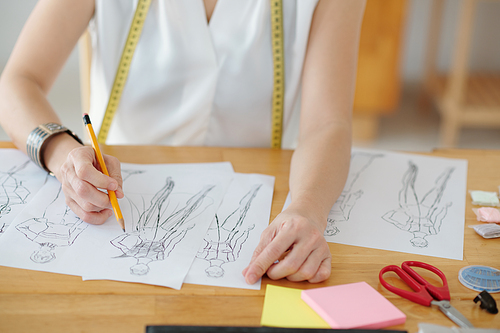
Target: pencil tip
(122,223)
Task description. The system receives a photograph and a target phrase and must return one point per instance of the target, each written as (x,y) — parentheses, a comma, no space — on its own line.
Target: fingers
(85,168)
(308,271)
(115,172)
(309,260)
(267,252)
(301,249)
(84,194)
(81,183)
(92,217)
(323,272)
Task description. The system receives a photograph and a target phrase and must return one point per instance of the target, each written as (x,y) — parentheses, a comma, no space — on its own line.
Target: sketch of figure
(126,173)
(12,192)
(57,227)
(421,217)
(157,232)
(225,240)
(342,208)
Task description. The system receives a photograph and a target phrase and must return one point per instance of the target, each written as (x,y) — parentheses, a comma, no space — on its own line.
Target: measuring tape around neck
(279,73)
(123,68)
(131,43)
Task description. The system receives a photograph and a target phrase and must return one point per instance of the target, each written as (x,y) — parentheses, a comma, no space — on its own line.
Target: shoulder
(335,12)
(336,21)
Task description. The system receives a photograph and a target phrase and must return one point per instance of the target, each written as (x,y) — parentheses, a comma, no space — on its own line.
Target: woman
(214,88)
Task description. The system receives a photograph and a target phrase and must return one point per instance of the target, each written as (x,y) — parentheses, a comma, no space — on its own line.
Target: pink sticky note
(354,305)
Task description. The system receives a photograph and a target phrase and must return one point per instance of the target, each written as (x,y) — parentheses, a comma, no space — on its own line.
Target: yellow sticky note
(283,307)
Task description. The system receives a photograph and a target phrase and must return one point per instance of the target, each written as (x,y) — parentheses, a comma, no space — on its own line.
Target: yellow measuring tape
(131,43)
(123,68)
(279,73)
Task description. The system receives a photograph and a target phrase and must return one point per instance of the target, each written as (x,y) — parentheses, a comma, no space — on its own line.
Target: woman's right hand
(82,182)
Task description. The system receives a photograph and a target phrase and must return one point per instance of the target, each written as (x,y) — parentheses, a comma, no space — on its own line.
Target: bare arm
(320,163)
(44,45)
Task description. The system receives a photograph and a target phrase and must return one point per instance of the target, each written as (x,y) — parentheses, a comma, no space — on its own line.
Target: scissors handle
(419,294)
(439,293)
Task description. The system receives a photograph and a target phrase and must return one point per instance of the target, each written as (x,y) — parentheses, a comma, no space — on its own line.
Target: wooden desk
(33,301)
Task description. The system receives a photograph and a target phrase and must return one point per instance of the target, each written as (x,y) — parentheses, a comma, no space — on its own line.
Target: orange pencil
(100,159)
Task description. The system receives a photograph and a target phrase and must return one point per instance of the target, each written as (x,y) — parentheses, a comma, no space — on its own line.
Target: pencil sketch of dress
(225,240)
(342,208)
(57,227)
(421,217)
(12,192)
(157,232)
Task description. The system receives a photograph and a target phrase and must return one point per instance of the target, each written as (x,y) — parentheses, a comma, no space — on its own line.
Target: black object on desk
(487,302)
(229,329)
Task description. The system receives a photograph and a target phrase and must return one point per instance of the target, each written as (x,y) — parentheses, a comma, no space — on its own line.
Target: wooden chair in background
(378,81)
(463,99)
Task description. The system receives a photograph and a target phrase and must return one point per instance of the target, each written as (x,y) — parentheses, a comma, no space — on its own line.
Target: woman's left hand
(292,247)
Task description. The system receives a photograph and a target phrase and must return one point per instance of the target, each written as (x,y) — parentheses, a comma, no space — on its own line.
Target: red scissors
(423,292)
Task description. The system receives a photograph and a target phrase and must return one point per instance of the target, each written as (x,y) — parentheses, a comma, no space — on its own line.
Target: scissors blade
(453,314)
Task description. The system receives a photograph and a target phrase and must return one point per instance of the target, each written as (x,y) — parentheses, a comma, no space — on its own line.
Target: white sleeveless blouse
(193,83)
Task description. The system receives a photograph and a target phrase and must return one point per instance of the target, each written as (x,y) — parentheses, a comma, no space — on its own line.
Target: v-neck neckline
(209,21)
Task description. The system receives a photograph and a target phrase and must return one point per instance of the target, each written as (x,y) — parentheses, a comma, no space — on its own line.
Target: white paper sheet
(20,180)
(401,202)
(167,210)
(233,236)
(43,236)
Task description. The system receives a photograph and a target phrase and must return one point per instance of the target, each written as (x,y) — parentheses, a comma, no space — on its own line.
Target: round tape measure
(129,49)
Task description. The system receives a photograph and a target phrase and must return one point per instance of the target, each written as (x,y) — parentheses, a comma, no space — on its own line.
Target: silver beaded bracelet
(38,137)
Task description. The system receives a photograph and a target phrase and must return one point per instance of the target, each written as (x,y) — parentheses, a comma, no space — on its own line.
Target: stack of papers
(193,223)
(401,202)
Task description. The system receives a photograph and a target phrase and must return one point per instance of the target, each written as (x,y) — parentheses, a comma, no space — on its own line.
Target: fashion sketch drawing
(342,208)
(55,228)
(12,192)
(160,226)
(225,240)
(420,215)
